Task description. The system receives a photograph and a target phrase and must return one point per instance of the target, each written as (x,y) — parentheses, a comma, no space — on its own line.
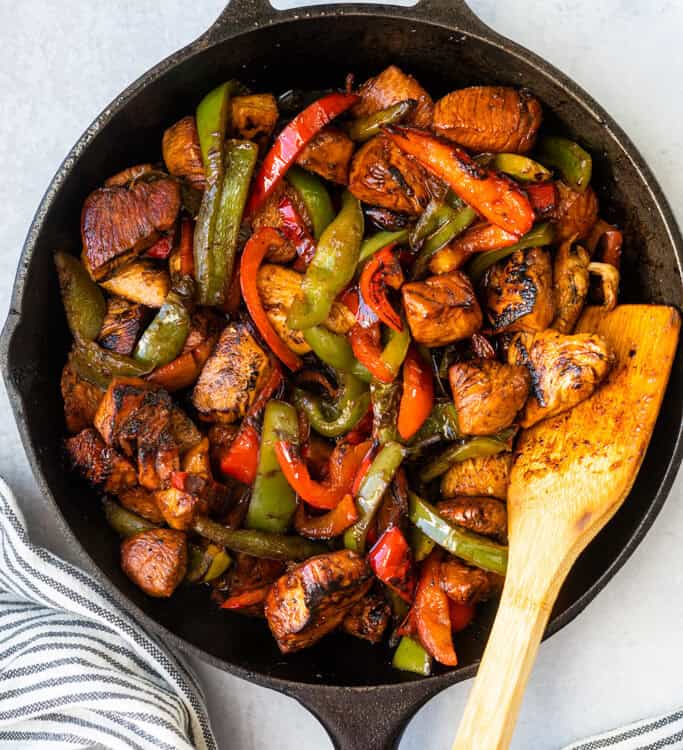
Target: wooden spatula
(571,475)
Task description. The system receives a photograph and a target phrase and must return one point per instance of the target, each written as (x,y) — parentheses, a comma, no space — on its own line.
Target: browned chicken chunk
(155,560)
(441,309)
(269,216)
(368,619)
(575,213)
(81,400)
(518,292)
(489,118)
(182,153)
(383,175)
(254,116)
(487,394)
(572,281)
(487,476)
(118,223)
(141,501)
(122,325)
(564,370)
(184,430)
(231,377)
(328,154)
(483,515)
(178,508)
(141,281)
(464,584)
(313,598)
(128,175)
(392,86)
(99,463)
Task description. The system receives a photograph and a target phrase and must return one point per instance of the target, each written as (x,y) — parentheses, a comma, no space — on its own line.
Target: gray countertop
(62,61)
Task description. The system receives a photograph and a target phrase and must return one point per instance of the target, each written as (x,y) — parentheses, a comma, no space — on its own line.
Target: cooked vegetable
(369,126)
(391,561)
(122,325)
(82,299)
(328,525)
(380,273)
(456,222)
(165,337)
(334,350)
(432,615)
(315,197)
(390,87)
(410,656)
(522,168)
(481,238)
(575,213)
(417,398)
(99,366)
(383,363)
(574,163)
(332,420)
(124,522)
(182,152)
(475,447)
(379,241)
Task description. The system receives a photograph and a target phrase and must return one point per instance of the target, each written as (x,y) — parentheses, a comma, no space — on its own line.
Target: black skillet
(347,684)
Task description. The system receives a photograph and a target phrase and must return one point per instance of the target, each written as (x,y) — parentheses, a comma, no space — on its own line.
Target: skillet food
(305,342)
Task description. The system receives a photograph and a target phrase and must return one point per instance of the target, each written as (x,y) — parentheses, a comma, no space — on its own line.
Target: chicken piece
(155,560)
(368,619)
(278,286)
(205,325)
(247,574)
(464,584)
(232,376)
(482,515)
(81,400)
(122,325)
(518,292)
(572,279)
(182,153)
(441,309)
(197,460)
(487,476)
(128,175)
(605,290)
(314,597)
(99,463)
(254,116)
(576,213)
(487,394)
(118,223)
(142,281)
(184,430)
(564,370)
(178,508)
(328,154)
(269,216)
(489,118)
(142,502)
(383,175)
(392,86)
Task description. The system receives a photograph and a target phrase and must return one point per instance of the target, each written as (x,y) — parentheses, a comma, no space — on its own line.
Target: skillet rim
(415,14)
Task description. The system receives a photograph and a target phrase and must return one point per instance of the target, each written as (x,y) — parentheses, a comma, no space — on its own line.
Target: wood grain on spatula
(571,474)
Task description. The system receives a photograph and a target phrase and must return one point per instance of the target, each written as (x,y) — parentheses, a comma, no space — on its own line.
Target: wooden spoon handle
(493,704)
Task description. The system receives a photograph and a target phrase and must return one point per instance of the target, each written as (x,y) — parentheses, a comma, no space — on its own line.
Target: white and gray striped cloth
(77,671)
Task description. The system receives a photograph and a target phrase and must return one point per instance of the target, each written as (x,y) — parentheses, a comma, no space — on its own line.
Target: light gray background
(62,61)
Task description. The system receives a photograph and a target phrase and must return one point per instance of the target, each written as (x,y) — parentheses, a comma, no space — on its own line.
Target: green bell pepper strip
(379,240)
(372,489)
(399,606)
(458,222)
(83,300)
(258,543)
(435,215)
(420,544)
(315,197)
(410,656)
(538,236)
(331,268)
(212,118)
(472,548)
(218,224)
(574,163)
(165,336)
(366,127)
(476,447)
(124,522)
(220,562)
(385,399)
(273,501)
(198,562)
(99,366)
(334,350)
(396,348)
(332,420)
(519,167)
(442,422)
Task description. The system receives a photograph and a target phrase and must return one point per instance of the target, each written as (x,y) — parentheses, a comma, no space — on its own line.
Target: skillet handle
(360,718)
(241,15)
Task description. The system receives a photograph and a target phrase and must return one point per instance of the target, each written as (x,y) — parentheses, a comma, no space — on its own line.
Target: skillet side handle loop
(240,15)
(362,718)
(453,13)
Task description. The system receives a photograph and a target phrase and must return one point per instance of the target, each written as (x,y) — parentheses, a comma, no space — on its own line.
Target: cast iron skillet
(347,684)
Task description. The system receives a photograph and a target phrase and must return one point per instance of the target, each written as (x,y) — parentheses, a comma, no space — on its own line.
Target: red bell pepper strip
(184,370)
(432,614)
(186,247)
(344,463)
(481,238)
(252,256)
(362,430)
(366,344)
(267,391)
(381,271)
(417,399)
(391,561)
(495,197)
(291,142)
(461,615)
(161,249)
(330,524)
(246,598)
(543,198)
(295,230)
(240,461)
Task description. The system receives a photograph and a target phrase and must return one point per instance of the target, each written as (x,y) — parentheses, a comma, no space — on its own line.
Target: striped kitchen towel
(75,669)
(660,733)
